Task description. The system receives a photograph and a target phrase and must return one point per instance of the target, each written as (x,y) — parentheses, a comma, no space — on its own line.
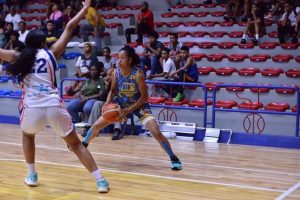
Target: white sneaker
(31,180)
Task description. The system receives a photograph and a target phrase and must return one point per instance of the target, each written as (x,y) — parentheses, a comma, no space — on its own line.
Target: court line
(288,192)
(156,176)
(157,160)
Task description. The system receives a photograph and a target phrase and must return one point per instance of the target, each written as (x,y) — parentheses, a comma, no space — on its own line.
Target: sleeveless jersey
(192,71)
(127,88)
(39,86)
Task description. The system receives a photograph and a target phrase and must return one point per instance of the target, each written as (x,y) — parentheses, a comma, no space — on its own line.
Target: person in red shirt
(144,24)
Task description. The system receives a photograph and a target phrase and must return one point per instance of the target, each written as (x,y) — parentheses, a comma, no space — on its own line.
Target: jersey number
(41,66)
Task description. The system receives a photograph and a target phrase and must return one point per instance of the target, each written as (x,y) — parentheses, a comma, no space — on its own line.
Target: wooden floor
(138,169)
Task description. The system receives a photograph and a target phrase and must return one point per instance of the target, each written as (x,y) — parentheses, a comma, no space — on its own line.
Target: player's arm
(112,90)
(8,55)
(59,46)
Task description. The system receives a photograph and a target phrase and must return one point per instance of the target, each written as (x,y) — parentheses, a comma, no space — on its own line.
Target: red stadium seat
(250,105)
(125,16)
(200,14)
(107,8)
(226,45)
(268,45)
(206,45)
(183,33)
(218,34)
(211,5)
(294,109)
(199,103)
(259,57)
(209,23)
(160,24)
(168,15)
(276,106)
(235,88)
(261,90)
(246,46)
(164,34)
(211,85)
(199,34)
(236,34)
(237,57)
(113,25)
(135,7)
(191,24)
(217,14)
(156,100)
(227,104)
(185,14)
(178,6)
(226,23)
(293,72)
(171,102)
(109,16)
(248,71)
(121,7)
(198,56)
(282,58)
(286,91)
(297,58)
(194,5)
(242,23)
(273,34)
(271,72)
(225,71)
(190,44)
(205,70)
(289,46)
(174,24)
(216,57)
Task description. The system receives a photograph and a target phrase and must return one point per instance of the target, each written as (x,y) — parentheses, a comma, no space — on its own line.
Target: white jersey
(39,87)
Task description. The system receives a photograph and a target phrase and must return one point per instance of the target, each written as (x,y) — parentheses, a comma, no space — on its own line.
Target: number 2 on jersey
(41,66)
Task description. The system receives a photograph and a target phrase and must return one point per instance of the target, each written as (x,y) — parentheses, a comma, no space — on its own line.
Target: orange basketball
(111,112)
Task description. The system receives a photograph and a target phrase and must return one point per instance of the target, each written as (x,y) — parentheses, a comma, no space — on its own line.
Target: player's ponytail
(25,61)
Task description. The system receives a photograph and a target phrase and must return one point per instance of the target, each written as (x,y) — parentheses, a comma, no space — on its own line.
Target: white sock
(257,37)
(31,168)
(244,36)
(97,175)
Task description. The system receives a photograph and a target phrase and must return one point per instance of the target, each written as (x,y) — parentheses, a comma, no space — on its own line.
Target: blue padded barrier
(71,55)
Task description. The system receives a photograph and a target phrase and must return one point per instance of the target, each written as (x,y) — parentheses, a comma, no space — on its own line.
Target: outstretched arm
(59,46)
(8,55)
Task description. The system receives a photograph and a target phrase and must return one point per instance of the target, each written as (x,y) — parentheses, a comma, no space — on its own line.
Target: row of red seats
(249,71)
(227,104)
(198,5)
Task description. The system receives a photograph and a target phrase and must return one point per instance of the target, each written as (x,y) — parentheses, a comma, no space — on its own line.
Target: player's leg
(29,153)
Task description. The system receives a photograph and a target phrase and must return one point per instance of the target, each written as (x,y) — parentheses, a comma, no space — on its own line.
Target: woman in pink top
(56,13)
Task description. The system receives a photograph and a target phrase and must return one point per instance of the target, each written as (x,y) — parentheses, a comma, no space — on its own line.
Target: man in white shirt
(13,17)
(22,31)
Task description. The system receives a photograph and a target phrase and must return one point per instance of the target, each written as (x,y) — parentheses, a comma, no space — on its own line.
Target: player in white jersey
(35,66)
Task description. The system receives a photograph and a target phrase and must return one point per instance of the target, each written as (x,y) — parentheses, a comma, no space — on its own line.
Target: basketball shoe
(31,180)
(103,186)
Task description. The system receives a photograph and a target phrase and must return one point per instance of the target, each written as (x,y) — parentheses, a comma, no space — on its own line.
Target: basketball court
(137,168)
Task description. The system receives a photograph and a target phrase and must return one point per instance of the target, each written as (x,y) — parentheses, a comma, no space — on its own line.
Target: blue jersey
(127,88)
(191,71)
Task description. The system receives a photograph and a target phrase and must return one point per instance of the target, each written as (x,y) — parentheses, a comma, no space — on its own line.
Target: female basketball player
(35,67)
(129,90)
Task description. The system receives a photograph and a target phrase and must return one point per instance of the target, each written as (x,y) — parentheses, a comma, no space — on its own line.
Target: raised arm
(8,55)
(59,46)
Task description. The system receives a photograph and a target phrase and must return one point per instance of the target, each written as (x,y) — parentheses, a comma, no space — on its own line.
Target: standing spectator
(288,23)
(22,31)
(13,17)
(14,43)
(144,24)
(94,22)
(108,61)
(188,72)
(255,24)
(152,54)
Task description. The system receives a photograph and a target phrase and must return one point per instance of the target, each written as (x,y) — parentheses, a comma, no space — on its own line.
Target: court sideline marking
(155,176)
(157,160)
(288,192)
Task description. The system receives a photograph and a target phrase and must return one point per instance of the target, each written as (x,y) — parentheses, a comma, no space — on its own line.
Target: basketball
(111,112)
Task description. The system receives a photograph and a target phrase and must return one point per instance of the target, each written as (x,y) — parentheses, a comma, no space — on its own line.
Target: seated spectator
(93,22)
(14,18)
(92,90)
(188,72)
(56,16)
(144,24)
(14,43)
(174,46)
(67,16)
(288,23)
(167,63)
(152,54)
(107,60)
(255,24)
(9,29)
(172,2)
(277,7)
(2,38)
(232,9)
(22,31)
(82,67)
(51,34)
(246,10)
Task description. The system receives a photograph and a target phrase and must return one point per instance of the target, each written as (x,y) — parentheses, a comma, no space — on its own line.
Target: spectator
(13,17)
(172,2)
(232,8)
(51,34)
(167,63)
(174,46)
(288,23)
(151,54)
(94,22)
(144,24)
(68,15)
(9,28)
(108,61)
(188,72)
(22,31)
(92,90)
(2,38)
(255,24)
(14,43)
(56,16)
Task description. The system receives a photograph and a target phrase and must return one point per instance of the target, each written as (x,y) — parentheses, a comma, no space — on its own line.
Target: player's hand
(124,113)
(86,3)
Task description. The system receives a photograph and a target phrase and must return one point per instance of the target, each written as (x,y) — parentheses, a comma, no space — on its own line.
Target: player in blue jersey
(129,90)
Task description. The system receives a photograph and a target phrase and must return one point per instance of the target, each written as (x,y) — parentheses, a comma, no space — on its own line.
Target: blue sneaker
(103,186)
(176,164)
(31,180)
